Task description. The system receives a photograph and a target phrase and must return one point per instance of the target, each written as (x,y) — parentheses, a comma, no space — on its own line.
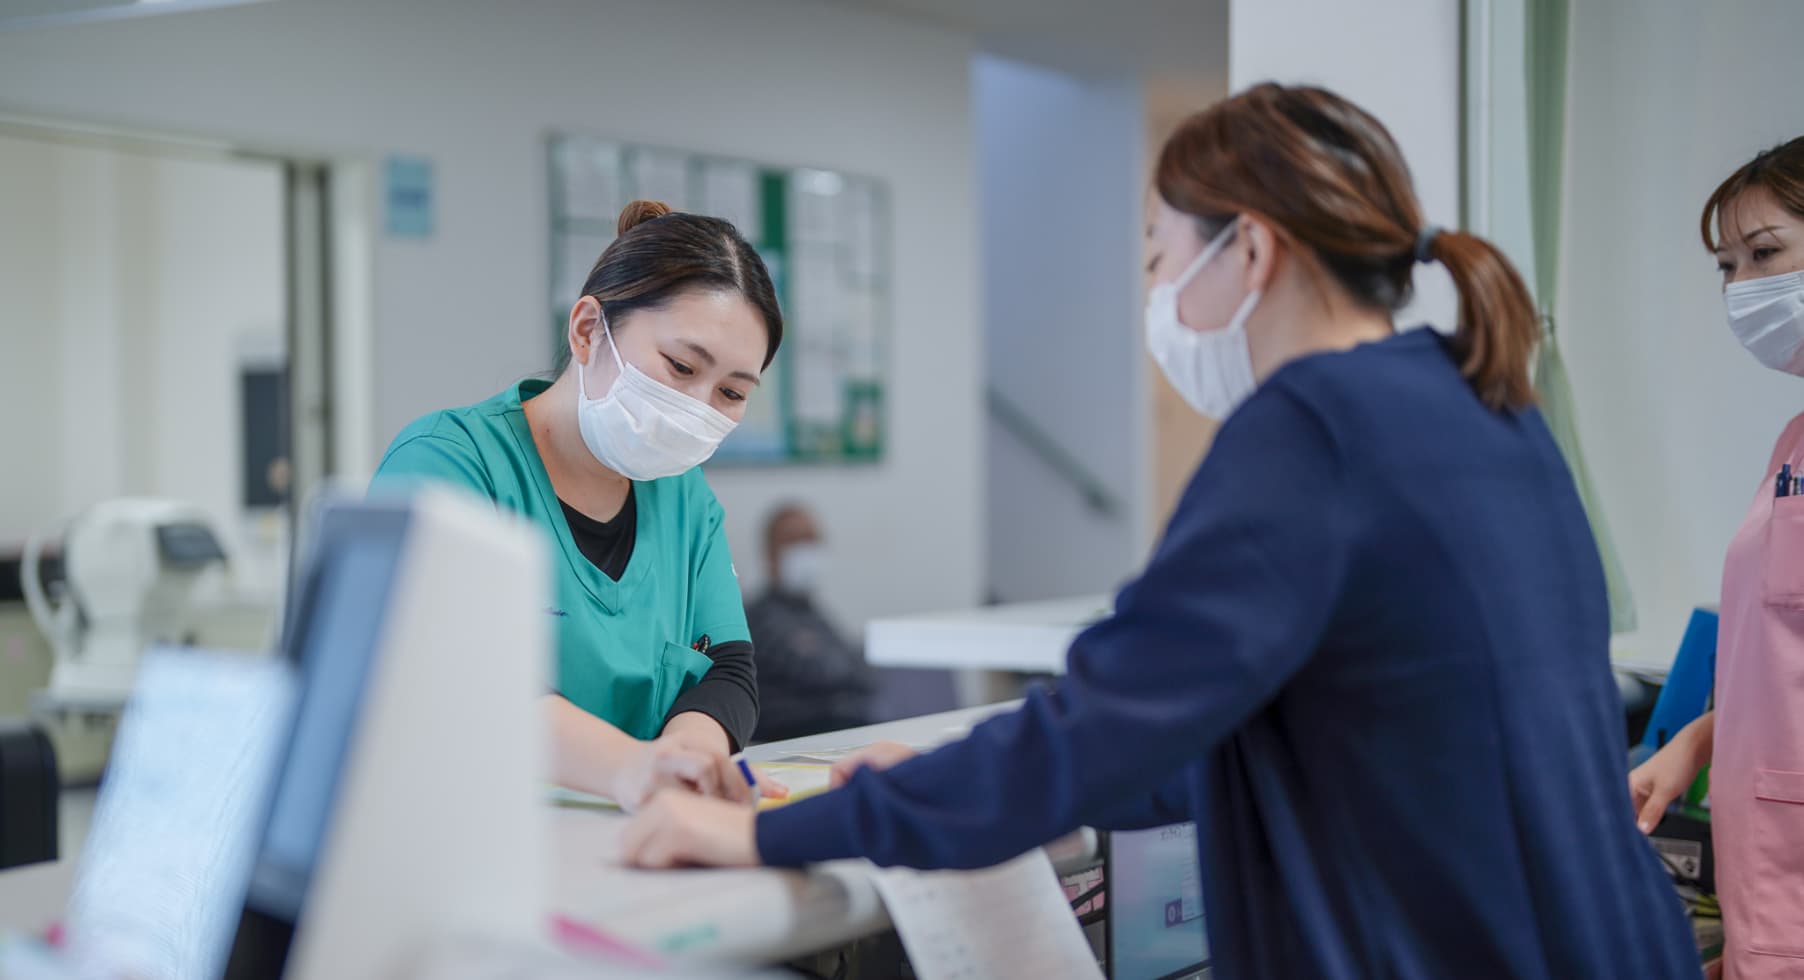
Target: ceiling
(15,14)
(1143,37)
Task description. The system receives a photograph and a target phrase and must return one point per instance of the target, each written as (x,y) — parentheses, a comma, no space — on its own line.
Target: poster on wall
(824,236)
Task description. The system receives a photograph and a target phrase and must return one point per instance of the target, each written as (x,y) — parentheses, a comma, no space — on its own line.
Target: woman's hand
(591,755)
(1654,784)
(701,733)
(877,755)
(679,829)
(671,762)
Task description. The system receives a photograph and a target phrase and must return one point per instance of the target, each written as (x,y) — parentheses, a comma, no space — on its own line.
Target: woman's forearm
(700,731)
(586,752)
(1700,738)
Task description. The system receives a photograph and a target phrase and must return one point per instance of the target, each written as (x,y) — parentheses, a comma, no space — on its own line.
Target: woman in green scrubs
(655,684)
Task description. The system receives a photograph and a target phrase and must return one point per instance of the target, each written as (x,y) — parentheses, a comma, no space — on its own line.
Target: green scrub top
(626,649)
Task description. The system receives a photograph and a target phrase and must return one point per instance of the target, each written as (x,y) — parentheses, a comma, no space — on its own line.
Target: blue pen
(746,771)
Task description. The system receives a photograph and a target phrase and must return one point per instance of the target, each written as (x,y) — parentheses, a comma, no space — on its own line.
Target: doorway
(165,332)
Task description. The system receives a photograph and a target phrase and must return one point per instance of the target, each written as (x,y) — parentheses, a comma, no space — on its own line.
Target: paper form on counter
(565,796)
(1004,922)
(804,779)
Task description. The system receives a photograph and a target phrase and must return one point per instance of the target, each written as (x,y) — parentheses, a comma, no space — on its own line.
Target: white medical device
(130,567)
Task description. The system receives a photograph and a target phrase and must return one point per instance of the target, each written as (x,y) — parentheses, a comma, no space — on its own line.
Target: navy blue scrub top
(1370,659)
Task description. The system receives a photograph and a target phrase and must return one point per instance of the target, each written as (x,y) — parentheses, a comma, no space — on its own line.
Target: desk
(32,897)
(747,916)
(758,915)
(1025,636)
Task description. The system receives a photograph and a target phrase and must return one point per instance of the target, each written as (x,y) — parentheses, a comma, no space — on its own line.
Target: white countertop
(32,897)
(1034,637)
(747,916)
(741,916)
(1025,636)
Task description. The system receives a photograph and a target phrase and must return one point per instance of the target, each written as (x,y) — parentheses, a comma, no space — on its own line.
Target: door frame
(327,250)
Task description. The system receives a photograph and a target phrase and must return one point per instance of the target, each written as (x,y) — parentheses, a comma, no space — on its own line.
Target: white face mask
(644,430)
(1767,315)
(800,568)
(1212,369)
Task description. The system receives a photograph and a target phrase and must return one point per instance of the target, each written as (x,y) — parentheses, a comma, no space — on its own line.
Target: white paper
(812,273)
(863,349)
(859,214)
(996,924)
(576,257)
(814,207)
(818,397)
(660,175)
(691,915)
(802,779)
(162,877)
(816,366)
(821,757)
(588,172)
(730,191)
(565,796)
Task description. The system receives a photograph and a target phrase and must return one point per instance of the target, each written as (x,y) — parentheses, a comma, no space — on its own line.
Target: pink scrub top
(1757,770)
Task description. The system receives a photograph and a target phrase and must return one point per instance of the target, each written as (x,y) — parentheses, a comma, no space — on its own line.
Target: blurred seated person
(811,679)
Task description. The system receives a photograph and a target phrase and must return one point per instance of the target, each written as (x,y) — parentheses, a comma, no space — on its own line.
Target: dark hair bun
(661,254)
(639,212)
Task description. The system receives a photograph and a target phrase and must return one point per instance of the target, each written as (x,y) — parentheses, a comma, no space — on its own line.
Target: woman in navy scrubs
(1369,656)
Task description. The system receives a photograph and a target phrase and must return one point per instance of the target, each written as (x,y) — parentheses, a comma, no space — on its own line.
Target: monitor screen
(1155,904)
(178,821)
(335,650)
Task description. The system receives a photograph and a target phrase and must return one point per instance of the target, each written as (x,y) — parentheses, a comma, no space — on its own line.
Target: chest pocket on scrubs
(1784,580)
(679,669)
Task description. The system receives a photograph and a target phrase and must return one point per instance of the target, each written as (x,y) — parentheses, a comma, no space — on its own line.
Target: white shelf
(1028,636)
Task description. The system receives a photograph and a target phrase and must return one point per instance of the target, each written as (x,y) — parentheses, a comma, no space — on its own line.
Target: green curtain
(1544,62)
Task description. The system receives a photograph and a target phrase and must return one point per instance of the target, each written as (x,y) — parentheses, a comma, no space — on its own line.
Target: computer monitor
(409,802)
(162,874)
(331,637)
(1155,905)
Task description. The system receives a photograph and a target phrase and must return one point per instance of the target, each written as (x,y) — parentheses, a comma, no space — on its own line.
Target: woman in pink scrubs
(1754,739)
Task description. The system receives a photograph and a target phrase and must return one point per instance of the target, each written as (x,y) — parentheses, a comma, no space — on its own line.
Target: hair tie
(1425,243)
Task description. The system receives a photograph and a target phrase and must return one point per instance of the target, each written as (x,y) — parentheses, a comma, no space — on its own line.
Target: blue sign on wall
(407,197)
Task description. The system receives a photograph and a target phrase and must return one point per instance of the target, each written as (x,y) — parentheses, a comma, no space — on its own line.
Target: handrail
(1051,454)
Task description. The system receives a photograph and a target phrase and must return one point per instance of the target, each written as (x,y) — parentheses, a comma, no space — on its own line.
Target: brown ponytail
(639,212)
(1498,326)
(1329,178)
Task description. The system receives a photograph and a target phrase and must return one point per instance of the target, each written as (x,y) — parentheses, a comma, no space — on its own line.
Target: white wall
(1399,60)
(1060,179)
(475,86)
(131,282)
(30,443)
(1677,420)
